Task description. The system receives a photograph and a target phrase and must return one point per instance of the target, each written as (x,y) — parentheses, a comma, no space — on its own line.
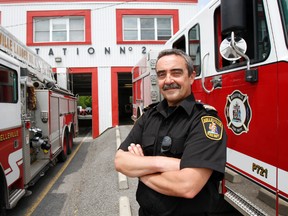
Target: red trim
(94,84)
(121,12)
(114,96)
(42,1)
(283,194)
(57,13)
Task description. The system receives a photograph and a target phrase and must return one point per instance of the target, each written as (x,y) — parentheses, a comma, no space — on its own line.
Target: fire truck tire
(63,155)
(2,195)
(2,210)
(70,143)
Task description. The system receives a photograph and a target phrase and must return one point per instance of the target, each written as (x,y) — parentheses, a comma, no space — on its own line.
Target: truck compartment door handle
(203,74)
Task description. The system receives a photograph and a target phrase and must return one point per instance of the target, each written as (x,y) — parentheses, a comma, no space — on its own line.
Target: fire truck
(38,119)
(240,54)
(144,84)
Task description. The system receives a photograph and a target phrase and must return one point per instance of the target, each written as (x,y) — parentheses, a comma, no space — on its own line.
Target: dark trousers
(222,208)
(143,212)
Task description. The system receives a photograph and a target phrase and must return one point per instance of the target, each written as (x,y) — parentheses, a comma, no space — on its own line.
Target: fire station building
(97,42)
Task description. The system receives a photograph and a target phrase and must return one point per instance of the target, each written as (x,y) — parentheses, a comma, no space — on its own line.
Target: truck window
(256,36)
(194,48)
(8,85)
(180,44)
(284,14)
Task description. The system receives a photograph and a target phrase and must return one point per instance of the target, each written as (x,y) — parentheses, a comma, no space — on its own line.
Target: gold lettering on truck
(8,135)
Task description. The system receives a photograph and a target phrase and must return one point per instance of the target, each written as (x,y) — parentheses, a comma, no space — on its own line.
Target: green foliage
(85,101)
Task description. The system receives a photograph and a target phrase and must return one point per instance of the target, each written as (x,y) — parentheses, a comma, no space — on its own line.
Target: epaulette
(150,106)
(207,107)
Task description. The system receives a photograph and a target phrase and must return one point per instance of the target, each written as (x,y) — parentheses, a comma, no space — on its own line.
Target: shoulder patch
(213,127)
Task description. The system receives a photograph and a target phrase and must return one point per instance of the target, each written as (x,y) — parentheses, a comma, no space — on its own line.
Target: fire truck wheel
(2,210)
(2,207)
(70,143)
(63,155)
(2,192)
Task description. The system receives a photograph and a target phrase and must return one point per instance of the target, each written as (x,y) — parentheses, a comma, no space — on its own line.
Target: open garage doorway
(82,87)
(125,98)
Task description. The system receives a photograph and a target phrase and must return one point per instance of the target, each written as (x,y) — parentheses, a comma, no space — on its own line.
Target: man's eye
(161,75)
(176,73)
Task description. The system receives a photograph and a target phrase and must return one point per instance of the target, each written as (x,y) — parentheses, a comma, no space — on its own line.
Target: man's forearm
(181,183)
(135,166)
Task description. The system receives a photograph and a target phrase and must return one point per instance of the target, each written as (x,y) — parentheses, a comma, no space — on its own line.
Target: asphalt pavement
(87,184)
(90,184)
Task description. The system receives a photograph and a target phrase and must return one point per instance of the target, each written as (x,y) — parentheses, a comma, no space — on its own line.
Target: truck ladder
(37,67)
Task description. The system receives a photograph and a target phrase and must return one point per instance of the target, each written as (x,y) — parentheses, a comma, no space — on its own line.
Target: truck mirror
(231,53)
(233,48)
(233,16)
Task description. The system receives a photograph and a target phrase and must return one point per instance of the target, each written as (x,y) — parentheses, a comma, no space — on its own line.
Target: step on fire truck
(38,123)
(240,54)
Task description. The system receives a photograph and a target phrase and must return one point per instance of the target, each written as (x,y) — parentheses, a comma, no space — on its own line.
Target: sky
(202,3)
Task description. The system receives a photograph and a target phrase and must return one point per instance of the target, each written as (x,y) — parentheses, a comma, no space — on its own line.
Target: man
(177,148)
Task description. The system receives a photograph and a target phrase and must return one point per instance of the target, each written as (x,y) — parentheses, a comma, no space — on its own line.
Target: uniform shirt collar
(187,104)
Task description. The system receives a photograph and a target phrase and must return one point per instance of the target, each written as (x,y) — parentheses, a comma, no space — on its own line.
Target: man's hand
(134,163)
(160,173)
(135,149)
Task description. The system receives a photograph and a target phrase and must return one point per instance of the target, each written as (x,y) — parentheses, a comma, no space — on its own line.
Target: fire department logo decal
(238,112)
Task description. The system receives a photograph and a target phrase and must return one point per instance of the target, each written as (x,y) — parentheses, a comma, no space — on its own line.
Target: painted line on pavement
(122,179)
(124,204)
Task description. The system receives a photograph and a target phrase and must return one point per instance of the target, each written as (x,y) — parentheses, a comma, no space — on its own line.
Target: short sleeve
(205,146)
(134,135)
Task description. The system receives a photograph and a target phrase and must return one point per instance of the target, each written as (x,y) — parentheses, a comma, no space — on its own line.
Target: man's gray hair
(181,53)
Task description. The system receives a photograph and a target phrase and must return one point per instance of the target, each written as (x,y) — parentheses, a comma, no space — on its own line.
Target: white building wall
(104,98)
(103,36)
(103,25)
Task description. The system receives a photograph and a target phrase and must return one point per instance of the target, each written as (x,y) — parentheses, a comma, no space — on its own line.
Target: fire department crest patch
(238,112)
(213,127)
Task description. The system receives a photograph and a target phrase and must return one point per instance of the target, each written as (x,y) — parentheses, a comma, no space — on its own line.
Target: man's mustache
(171,86)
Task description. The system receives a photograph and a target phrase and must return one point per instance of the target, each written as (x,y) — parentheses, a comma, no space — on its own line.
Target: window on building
(147,28)
(143,26)
(58,27)
(8,85)
(62,29)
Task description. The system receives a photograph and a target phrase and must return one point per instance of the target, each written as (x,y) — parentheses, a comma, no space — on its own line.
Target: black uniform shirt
(198,139)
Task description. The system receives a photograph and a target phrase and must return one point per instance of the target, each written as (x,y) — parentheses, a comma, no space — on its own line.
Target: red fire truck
(240,54)
(38,122)
(144,84)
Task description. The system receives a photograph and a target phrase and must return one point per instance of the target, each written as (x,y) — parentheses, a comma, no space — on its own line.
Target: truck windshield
(284,14)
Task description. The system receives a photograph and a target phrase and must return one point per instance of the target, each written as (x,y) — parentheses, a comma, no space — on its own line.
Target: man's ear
(193,74)
(192,77)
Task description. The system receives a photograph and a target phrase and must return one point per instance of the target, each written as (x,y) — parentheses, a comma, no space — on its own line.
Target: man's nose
(168,78)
